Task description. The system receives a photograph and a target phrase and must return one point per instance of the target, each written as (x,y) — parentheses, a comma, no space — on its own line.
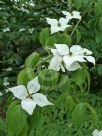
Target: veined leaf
(50,41)
(32,60)
(16,120)
(48,79)
(44,34)
(63,39)
(78,34)
(24,76)
(93,112)
(78,114)
(69,103)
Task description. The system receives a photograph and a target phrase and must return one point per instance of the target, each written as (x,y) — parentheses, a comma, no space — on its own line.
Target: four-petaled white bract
(29,97)
(97,133)
(74,14)
(65,57)
(56,25)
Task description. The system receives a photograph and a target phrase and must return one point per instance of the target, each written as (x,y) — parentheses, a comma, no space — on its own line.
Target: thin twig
(75,27)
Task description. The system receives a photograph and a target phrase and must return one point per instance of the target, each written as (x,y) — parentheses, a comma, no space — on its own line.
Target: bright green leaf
(32,60)
(78,34)
(78,114)
(16,120)
(24,76)
(44,34)
(48,79)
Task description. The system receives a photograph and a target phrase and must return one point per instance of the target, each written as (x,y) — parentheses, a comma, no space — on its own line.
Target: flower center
(59,24)
(70,53)
(72,14)
(29,96)
(85,53)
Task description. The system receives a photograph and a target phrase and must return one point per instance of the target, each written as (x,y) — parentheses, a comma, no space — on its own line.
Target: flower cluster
(65,57)
(62,23)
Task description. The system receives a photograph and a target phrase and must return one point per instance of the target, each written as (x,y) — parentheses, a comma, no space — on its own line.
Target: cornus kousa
(65,57)
(74,14)
(56,25)
(29,97)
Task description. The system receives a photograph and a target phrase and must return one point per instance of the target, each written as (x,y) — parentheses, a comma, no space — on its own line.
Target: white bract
(29,97)
(22,29)
(31,30)
(1,93)
(97,133)
(56,62)
(24,10)
(65,57)
(74,14)
(6,83)
(7,29)
(56,25)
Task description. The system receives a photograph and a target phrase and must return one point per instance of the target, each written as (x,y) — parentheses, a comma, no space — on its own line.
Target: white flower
(56,25)
(32,4)
(74,14)
(97,133)
(6,83)
(24,10)
(69,57)
(31,30)
(29,97)
(9,69)
(7,29)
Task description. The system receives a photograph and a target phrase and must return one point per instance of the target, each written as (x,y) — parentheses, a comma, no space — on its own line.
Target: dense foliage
(25,21)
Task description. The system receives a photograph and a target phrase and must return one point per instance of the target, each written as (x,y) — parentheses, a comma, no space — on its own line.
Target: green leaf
(24,76)
(32,60)
(69,103)
(98,8)
(25,131)
(100,23)
(78,114)
(78,4)
(44,34)
(48,79)
(82,79)
(36,120)
(63,39)
(79,76)
(2,124)
(88,80)
(64,83)
(16,120)
(93,112)
(50,41)
(78,34)
(98,37)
